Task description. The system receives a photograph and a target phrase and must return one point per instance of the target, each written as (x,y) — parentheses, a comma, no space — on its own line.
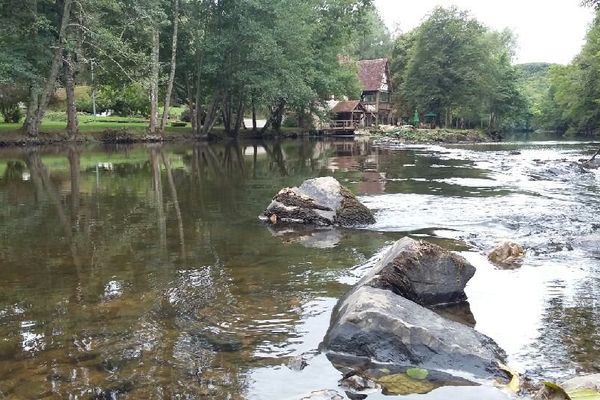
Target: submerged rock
(383,326)
(422,272)
(323,395)
(507,255)
(319,201)
(320,237)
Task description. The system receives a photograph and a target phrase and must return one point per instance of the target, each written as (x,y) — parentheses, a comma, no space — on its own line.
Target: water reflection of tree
(188,325)
(570,333)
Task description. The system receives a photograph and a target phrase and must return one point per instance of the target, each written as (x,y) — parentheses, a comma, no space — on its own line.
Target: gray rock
(382,326)
(422,272)
(319,201)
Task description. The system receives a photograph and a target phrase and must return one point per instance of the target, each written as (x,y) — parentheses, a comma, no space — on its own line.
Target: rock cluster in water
(391,315)
(319,202)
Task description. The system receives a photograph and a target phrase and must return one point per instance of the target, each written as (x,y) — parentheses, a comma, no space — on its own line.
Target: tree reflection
(154,308)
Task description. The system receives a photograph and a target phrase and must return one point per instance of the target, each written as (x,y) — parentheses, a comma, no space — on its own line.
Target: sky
(546,30)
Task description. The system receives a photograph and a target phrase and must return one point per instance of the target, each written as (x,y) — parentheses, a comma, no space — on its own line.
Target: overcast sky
(547,30)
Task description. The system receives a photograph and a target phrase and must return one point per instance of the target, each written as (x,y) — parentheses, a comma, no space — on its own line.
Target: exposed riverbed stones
(384,319)
(321,202)
(380,325)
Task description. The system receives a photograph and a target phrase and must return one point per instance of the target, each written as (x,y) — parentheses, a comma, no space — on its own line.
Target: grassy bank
(115,129)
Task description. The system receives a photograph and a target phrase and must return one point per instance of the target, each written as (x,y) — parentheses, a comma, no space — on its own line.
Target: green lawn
(55,123)
(95,126)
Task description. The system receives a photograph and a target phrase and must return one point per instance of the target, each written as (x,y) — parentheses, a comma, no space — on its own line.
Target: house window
(370,98)
(384,97)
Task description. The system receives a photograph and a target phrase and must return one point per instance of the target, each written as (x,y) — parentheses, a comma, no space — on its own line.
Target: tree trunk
(198,109)
(239,119)
(38,102)
(191,105)
(275,117)
(165,116)
(72,124)
(154,80)
(253,115)
(210,118)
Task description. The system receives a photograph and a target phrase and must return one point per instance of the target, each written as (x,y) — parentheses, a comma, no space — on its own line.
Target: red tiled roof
(346,106)
(370,73)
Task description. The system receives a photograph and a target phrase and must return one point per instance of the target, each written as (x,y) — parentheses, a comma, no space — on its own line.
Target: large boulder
(422,272)
(319,201)
(384,317)
(380,325)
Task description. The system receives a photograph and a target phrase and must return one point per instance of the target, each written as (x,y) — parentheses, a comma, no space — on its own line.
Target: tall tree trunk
(198,109)
(191,105)
(72,124)
(253,115)
(38,102)
(154,80)
(239,118)
(165,116)
(275,116)
(211,115)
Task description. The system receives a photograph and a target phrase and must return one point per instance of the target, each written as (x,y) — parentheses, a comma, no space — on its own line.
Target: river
(142,272)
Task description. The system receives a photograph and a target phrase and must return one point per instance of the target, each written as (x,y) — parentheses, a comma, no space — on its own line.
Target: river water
(143,272)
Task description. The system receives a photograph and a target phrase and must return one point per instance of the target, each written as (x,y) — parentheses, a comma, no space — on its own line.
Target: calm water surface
(143,272)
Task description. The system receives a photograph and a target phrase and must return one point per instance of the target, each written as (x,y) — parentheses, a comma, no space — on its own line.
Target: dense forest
(227,60)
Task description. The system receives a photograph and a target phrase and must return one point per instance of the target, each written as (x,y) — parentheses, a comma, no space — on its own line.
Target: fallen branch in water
(594,156)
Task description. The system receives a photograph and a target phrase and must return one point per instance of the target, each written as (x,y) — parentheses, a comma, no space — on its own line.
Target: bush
(291,121)
(186,116)
(56,116)
(12,114)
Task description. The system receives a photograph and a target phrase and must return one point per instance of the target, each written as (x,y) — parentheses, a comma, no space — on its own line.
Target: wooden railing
(343,124)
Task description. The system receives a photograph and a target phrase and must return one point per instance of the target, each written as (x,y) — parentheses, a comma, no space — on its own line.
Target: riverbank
(136,132)
(10,135)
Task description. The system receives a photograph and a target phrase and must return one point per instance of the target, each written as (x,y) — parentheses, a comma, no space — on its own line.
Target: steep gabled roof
(371,72)
(347,106)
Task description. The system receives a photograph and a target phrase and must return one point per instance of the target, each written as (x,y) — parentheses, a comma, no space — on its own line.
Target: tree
(374,39)
(571,104)
(169,92)
(45,27)
(453,66)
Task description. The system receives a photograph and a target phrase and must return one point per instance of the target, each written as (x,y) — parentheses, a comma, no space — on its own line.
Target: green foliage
(571,103)
(458,69)
(12,115)
(374,39)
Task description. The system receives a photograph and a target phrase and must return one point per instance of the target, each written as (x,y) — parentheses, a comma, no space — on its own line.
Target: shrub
(12,114)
